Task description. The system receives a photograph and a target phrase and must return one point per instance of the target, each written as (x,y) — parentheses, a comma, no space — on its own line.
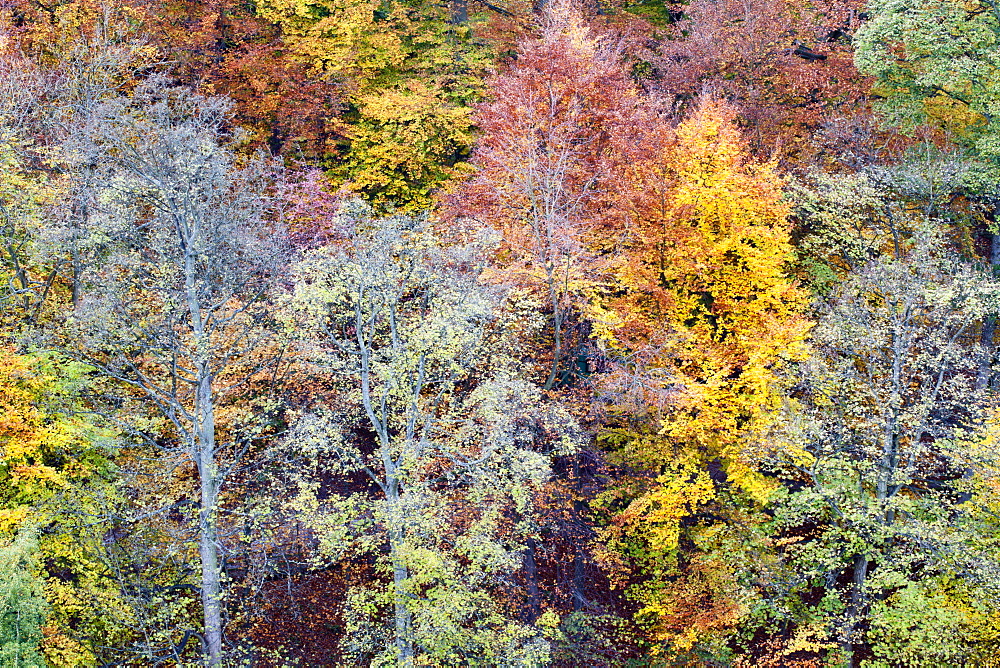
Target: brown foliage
(787,66)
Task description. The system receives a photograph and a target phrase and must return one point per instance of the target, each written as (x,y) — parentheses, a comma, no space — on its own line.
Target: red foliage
(788,67)
(223,47)
(311,208)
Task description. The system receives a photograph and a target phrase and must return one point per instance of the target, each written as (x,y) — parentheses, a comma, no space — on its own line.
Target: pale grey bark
(988,332)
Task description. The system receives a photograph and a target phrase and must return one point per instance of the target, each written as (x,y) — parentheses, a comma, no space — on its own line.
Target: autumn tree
(702,326)
(454,443)
(877,453)
(410,73)
(24,195)
(176,310)
(543,159)
(786,66)
(225,48)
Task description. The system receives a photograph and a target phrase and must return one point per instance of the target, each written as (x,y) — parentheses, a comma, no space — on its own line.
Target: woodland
(562,333)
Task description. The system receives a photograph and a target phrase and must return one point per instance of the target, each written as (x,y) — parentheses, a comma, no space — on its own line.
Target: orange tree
(544,160)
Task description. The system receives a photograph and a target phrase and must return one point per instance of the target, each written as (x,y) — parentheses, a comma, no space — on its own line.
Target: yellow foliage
(705,302)
(336,36)
(707,285)
(403,143)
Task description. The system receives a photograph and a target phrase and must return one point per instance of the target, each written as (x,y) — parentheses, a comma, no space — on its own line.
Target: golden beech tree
(703,299)
(409,71)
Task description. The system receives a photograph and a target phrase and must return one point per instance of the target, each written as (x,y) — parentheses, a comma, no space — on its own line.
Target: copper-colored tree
(544,157)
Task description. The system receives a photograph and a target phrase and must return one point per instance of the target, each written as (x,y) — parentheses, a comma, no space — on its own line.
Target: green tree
(936,61)
(452,441)
(874,454)
(22,604)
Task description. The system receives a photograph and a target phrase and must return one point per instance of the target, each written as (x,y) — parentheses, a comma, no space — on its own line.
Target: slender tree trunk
(400,574)
(404,618)
(211,584)
(854,611)
(75,268)
(557,323)
(204,456)
(578,572)
(579,583)
(208,537)
(531,580)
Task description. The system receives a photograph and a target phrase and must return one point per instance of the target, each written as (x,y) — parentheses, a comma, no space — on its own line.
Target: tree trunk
(459,12)
(404,618)
(989,321)
(400,574)
(578,572)
(531,580)
(854,611)
(211,584)
(557,323)
(579,582)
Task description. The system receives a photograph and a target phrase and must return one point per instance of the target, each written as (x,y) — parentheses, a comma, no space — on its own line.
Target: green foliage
(456,444)
(405,144)
(22,605)
(938,62)
(845,221)
(872,452)
(922,624)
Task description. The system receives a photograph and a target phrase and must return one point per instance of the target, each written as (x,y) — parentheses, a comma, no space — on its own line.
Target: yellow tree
(704,301)
(410,71)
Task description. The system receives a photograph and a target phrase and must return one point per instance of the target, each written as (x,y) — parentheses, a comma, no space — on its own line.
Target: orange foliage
(704,280)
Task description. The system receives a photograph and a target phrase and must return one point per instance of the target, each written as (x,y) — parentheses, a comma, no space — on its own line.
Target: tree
(877,452)
(543,159)
(787,66)
(411,73)
(701,324)
(24,196)
(453,442)
(936,61)
(704,278)
(22,607)
(177,309)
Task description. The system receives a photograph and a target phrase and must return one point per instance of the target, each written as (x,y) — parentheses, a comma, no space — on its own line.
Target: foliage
(451,446)
(46,448)
(707,320)
(880,423)
(250,420)
(936,61)
(411,72)
(544,160)
(786,65)
(22,607)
